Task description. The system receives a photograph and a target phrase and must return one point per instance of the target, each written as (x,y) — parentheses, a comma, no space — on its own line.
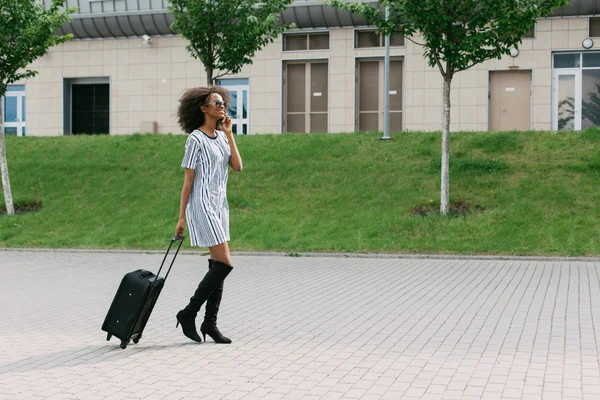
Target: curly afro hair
(189,115)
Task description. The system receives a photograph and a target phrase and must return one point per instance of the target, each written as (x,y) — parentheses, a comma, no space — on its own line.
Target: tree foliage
(225,35)
(27,30)
(455,35)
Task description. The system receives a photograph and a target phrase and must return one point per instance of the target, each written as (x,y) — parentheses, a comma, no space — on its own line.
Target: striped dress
(207,212)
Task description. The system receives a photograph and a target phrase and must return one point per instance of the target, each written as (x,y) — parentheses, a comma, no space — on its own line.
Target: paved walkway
(307,328)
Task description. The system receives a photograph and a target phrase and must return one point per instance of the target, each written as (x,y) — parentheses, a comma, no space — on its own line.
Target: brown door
(306,96)
(395,96)
(510,100)
(370,87)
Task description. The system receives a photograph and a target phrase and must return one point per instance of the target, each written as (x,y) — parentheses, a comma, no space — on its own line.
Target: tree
(456,35)
(27,30)
(225,35)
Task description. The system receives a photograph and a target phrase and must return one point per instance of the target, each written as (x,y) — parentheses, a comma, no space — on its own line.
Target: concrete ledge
(323,255)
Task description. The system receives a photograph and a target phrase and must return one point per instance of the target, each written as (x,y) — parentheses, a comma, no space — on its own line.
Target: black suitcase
(134,302)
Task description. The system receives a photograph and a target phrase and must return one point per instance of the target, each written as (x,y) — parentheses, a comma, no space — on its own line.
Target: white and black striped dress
(207,211)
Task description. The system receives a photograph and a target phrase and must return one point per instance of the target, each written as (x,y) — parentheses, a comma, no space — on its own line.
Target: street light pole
(386,84)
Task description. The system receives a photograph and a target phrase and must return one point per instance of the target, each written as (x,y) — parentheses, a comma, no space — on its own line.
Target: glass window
(372,39)
(309,41)
(594,27)
(234,104)
(318,41)
(15,88)
(590,107)
(232,82)
(367,39)
(23,108)
(566,102)
(397,39)
(567,60)
(245,104)
(10,109)
(12,131)
(591,60)
(294,42)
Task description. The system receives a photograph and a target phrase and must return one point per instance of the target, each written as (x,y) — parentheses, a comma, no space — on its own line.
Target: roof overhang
(578,8)
(119,24)
(311,14)
(306,14)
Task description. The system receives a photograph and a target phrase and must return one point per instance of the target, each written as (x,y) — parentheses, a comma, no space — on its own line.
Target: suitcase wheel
(108,337)
(137,339)
(124,344)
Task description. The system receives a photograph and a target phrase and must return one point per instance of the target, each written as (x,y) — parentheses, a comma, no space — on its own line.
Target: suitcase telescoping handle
(175,239)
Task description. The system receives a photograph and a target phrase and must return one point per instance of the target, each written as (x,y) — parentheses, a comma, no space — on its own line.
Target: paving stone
(306,328)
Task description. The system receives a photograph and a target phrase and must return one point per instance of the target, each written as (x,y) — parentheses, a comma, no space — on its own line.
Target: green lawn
(538,192)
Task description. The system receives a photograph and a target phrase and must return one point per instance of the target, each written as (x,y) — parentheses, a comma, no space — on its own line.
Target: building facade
(125,70)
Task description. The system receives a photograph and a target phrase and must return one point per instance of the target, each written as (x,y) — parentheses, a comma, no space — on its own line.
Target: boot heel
(177,326)
(215,334)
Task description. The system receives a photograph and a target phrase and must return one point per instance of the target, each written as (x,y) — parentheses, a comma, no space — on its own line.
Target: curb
(322,255)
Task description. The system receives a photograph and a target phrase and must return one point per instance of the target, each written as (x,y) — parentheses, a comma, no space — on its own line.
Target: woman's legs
(220,253)
(221,263)
(210,290)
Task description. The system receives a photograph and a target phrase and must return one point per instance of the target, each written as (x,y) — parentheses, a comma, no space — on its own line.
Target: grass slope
(319,192)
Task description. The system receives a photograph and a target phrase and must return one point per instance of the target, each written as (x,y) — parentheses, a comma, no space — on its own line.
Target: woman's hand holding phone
(226,124)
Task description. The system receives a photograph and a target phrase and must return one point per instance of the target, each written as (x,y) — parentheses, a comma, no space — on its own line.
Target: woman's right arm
(188,182)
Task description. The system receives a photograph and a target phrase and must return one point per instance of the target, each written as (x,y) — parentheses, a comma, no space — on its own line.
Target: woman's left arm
(235,160)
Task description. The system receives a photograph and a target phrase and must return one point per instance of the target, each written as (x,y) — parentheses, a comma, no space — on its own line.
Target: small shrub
(459,208)
(23,207)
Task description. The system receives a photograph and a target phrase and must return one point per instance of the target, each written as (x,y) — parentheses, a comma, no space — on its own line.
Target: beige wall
(469,96)
(147,80)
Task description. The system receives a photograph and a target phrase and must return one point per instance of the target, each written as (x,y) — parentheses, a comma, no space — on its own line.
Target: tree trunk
(209,76)
(10,210)
(445,188)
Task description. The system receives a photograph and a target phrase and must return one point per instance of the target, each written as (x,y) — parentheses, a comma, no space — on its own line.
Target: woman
(209,149)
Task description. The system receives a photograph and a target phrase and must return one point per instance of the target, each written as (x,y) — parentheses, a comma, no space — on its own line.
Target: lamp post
(386,84)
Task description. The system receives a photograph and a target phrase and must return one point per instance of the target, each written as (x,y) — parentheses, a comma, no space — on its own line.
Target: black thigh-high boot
(187,316)
(209,326)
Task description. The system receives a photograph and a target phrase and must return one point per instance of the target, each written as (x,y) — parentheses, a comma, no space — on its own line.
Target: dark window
(396,40)
(366,38)
(567,60)
(294,42)
(531,33)
(309,41)
(90,109)
(594,27)
(591,60)
(318,41)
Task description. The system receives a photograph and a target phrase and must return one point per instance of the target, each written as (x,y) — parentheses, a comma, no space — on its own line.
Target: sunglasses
(218,103)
